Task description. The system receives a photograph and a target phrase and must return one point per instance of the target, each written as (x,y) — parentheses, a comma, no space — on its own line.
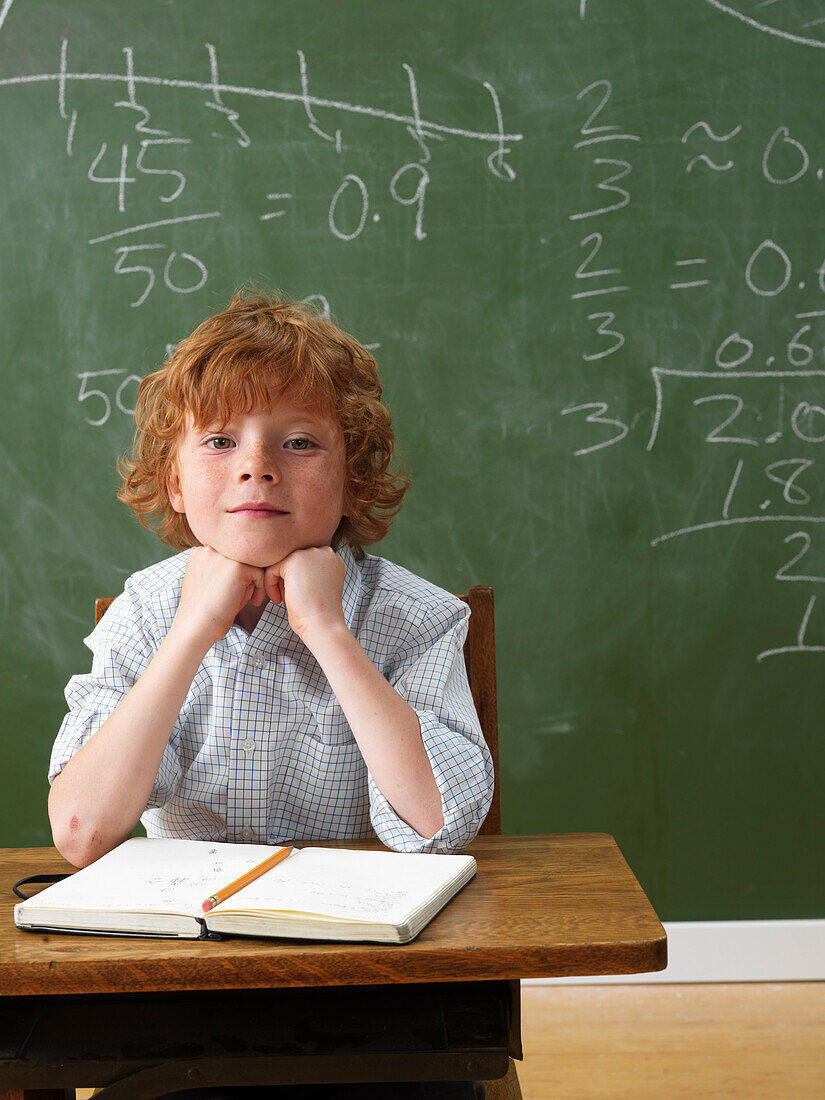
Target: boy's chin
(260,557)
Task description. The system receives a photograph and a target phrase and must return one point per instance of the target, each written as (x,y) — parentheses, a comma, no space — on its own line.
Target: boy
(272,682)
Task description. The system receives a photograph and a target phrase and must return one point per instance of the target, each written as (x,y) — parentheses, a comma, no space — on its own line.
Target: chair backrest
(480,659)
(102,606)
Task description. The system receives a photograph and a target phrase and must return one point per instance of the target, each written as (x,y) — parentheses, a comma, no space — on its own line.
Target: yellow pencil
(244,880)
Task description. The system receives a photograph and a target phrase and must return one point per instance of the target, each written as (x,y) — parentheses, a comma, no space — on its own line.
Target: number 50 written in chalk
(86,393)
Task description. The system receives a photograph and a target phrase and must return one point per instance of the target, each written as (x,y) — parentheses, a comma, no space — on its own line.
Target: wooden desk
(539,906)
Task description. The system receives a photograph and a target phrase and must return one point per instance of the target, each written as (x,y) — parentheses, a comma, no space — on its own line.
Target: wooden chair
(480,660)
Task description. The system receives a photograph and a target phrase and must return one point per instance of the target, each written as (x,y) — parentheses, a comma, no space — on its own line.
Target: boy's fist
(215,589)
(311,585)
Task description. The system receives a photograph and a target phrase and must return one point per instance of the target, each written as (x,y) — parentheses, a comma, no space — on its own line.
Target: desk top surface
(539,906)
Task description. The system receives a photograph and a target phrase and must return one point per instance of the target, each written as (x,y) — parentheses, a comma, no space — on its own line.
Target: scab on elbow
(77,845)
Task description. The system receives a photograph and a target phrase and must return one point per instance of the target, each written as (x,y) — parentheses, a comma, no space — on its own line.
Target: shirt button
(248,745)
(258,661)
(247,833)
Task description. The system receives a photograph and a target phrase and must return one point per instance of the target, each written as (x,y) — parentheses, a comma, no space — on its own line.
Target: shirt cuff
(463,772)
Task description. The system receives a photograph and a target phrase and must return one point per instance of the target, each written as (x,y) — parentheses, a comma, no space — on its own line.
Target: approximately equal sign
(692,282)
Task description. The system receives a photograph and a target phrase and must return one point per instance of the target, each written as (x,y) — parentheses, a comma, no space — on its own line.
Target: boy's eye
(300,444)
(219,443)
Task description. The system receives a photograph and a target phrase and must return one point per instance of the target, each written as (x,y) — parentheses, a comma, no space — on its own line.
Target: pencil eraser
(207,905)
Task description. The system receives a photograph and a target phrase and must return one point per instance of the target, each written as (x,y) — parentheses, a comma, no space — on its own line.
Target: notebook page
(351,885)
(173,876)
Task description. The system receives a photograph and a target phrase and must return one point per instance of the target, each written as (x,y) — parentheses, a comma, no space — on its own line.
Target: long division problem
(740,410)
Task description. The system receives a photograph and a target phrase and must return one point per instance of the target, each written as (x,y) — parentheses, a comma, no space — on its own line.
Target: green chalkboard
(587,243)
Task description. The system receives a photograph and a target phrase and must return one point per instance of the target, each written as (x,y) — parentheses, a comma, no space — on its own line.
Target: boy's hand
(310,583)
(215,589)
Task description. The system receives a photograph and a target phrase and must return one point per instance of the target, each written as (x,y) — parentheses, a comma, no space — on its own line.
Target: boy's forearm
(384,725)
(100,794)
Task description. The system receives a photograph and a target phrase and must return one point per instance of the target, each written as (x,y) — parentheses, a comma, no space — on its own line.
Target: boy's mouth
(257,508)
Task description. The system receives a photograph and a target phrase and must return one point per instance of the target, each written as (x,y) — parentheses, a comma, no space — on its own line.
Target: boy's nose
(259,464)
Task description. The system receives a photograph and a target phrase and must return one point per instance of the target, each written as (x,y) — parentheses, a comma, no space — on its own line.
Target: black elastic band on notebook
(44,879)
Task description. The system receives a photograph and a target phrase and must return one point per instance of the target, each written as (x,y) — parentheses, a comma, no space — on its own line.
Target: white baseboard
(731,951)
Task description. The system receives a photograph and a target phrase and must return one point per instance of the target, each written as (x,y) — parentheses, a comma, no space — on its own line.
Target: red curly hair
(257,350)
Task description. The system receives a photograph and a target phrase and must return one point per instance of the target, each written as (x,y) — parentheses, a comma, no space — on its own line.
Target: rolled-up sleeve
(431,676)
(122,648)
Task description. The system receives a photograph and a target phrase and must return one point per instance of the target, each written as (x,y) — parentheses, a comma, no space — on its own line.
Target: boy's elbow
(69,841)
(78,839)
(79,848)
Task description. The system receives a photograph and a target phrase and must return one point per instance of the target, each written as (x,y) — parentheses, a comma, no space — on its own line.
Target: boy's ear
(173,488)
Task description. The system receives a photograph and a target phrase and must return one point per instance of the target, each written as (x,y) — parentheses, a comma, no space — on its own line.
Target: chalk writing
(776,22)
(134,159)
(764,405)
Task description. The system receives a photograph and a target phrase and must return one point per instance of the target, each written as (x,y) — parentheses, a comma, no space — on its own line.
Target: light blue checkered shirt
(261,751)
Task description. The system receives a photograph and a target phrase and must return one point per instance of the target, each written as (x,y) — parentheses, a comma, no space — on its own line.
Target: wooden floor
(752,1041)
(749,1041)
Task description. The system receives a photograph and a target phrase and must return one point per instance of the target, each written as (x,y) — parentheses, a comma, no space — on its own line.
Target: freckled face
(263,485)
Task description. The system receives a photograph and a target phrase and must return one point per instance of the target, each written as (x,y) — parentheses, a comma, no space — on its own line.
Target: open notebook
(155,887)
